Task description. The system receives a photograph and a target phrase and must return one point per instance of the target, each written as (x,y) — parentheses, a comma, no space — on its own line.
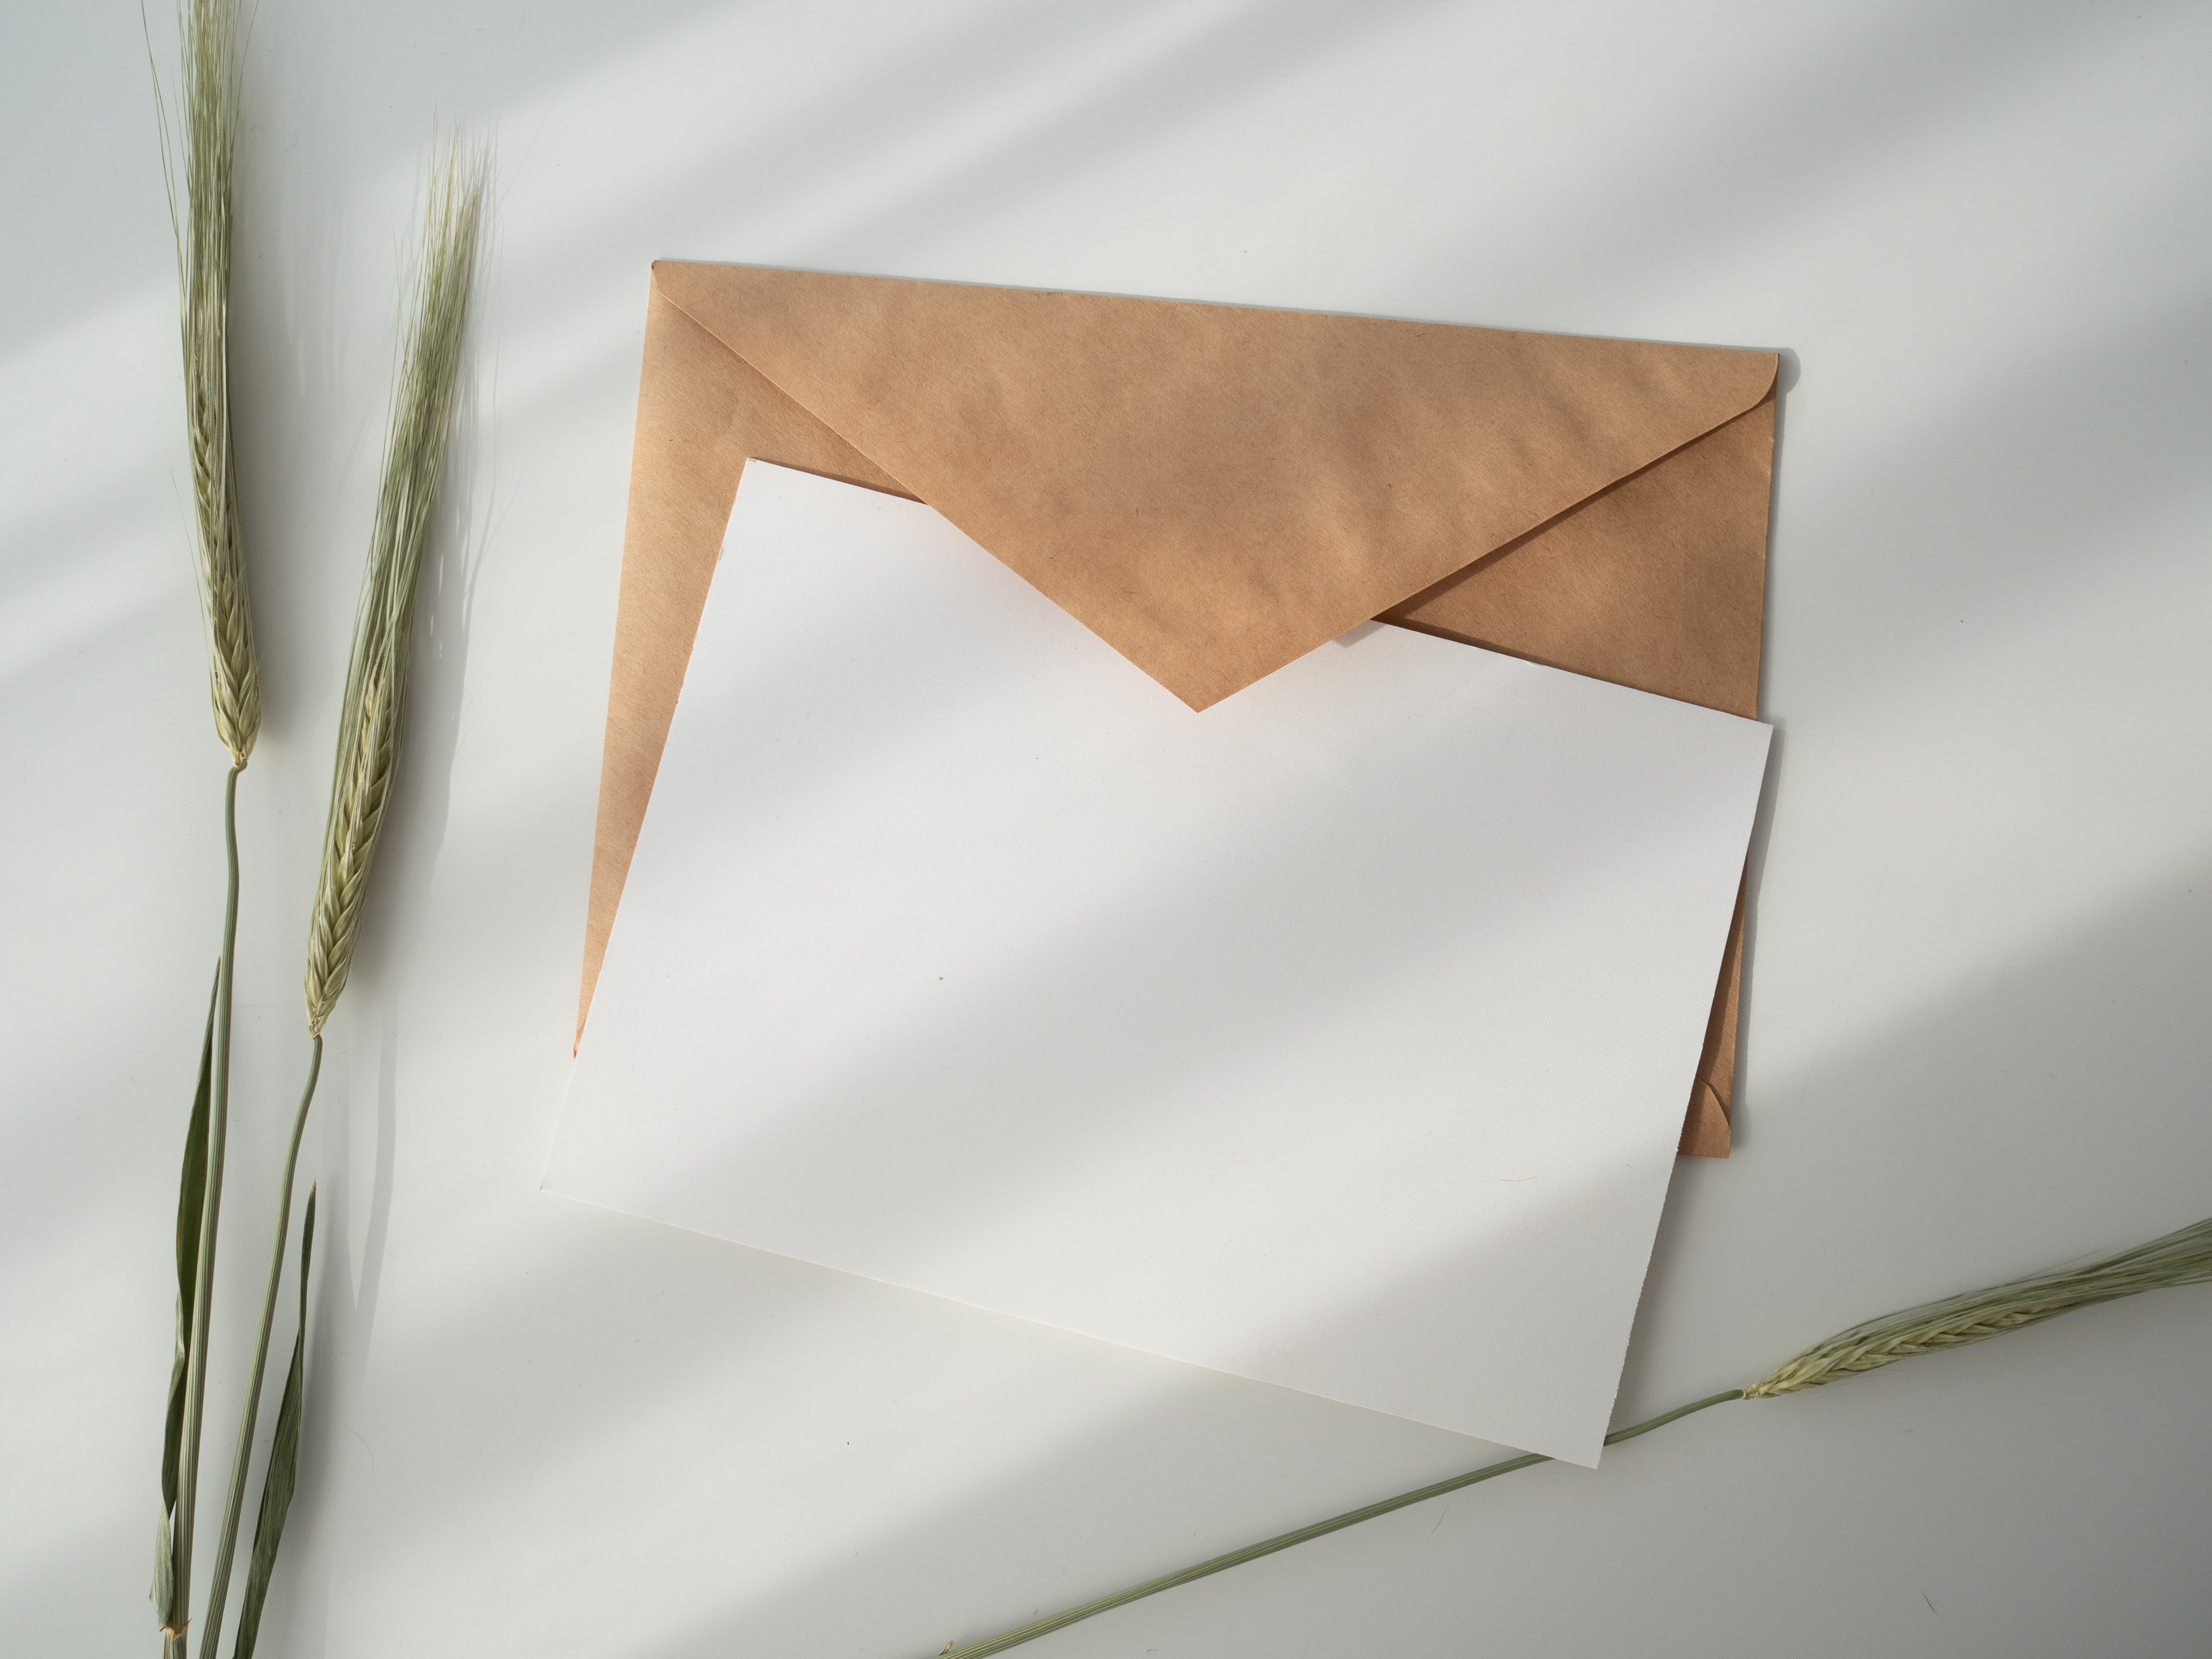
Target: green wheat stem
(2178,1258)
(172,1633)
(227,1544)
(1207,1568)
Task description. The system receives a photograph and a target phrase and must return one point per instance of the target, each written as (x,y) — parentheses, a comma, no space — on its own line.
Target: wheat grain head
(211,49)
(376,675)
(2183,1257)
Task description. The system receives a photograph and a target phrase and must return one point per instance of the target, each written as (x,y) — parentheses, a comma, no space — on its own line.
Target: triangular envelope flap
(1213,490)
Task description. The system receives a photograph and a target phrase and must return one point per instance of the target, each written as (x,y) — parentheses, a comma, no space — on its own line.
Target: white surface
(1336,1038)
(1975,1035)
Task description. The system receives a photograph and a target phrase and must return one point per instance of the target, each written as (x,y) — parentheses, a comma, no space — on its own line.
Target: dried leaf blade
(283,1470)
(192,1197)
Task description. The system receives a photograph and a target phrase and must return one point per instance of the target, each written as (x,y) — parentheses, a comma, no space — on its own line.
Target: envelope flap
(1213,490)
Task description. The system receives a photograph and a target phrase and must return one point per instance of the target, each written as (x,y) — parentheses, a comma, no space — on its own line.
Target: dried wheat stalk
(210,68)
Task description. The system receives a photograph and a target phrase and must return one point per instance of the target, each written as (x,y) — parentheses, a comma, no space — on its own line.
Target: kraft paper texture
(1214,490)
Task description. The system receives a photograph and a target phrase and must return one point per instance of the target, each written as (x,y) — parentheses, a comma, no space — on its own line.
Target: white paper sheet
(1338,1036)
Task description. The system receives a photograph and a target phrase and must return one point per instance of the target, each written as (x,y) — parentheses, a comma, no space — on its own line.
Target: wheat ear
(376,676)
(212,62)
(2179,1258)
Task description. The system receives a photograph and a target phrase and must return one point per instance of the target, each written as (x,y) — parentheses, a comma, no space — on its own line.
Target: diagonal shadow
(2059,1027)
(2065,1025)
(1871,95)
(290,51)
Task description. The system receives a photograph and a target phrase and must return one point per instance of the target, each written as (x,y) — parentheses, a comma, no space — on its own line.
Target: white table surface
(1976,1032)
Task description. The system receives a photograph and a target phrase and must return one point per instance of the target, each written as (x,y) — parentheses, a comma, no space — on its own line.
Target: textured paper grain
(1213,491)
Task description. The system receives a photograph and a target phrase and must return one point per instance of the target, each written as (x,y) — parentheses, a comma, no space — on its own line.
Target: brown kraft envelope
(1214,490)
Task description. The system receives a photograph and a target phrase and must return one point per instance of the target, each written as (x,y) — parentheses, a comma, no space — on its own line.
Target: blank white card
(1338,1036)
